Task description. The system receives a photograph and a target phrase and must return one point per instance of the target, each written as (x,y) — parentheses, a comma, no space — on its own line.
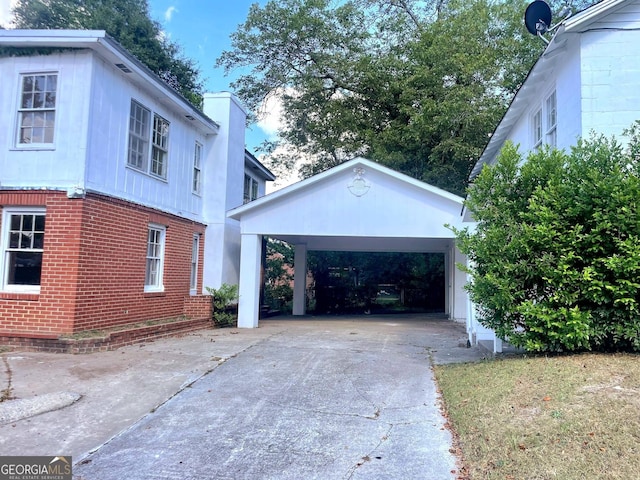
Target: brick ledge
(110,341)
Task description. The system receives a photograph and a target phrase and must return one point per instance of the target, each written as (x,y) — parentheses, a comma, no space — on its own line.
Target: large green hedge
(555,254)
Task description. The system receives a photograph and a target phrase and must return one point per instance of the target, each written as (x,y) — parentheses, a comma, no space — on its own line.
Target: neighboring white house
(113,188)
(587,80)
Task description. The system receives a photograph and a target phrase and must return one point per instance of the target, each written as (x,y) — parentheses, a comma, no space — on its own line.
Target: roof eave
(257,165)
(111,50)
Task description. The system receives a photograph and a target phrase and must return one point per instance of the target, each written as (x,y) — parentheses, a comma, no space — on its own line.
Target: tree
(350,281)
(555,256)
(278,276)
(394,80)
(128,22)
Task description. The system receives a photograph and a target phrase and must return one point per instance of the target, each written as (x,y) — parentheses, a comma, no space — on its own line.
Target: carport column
(300,280)
(250,263)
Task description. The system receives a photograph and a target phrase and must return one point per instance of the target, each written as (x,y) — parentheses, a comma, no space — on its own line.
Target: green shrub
(555,254)
(224,304)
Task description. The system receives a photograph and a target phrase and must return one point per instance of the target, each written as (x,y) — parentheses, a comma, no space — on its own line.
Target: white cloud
(270,119)
(5,12)
(284,177)
(168,14)
(270,115)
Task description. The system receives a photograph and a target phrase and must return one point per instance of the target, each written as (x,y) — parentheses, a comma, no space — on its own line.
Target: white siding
(108,148)
(222,185)
(568,97)
(611,80)
(224,180)
(62,165)
(564,78)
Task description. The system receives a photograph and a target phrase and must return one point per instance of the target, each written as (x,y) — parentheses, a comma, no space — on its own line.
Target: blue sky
(202,28)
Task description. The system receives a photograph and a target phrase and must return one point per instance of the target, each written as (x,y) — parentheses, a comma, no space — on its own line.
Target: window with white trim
(138,136)
(155,258)
(552,119)
(197,169)
(193,285)
(537,129)
(160,146)
(22,242)
(37,110)
(142,133)
(250,188)
(544,123)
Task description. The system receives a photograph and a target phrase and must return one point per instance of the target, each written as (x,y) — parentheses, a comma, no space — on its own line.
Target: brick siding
(93,269)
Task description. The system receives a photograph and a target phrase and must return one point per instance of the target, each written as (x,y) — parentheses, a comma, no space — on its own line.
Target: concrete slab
(338,397)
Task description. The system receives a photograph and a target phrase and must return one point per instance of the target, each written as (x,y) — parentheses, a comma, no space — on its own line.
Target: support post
(300,280)
(447,283)
(249,291)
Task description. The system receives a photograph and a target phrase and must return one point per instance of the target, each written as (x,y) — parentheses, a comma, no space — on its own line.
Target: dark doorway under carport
(375,282)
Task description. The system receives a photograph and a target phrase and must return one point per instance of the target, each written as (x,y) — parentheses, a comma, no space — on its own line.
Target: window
(138,136)
(250,188)
(537,129)
(140,131)
(160,146)
(37,112)
(155,259)
(197,172)
(22,249)
(544,123)
(552,114)
(194,264)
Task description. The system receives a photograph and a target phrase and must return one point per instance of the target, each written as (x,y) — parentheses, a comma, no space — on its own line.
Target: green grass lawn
(564,417)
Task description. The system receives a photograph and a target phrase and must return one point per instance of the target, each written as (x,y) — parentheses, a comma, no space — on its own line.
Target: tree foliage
(415,85)
(555,257)
(278,276)
(348,282)
(128,22)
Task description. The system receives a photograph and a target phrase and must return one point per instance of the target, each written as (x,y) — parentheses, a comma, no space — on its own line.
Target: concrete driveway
(350,397)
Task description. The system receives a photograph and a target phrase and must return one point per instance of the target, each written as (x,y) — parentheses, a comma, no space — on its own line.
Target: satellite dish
(537,17)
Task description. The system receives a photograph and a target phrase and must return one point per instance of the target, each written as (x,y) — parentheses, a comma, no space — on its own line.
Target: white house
(113,188)
(586,80)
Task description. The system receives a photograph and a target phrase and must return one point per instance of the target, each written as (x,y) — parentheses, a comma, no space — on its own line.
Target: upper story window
(197,169)
(250,188)
(22,244)
(552,119)
(537,129)
(160,146)
(37,112)
(544,123)
(141,134)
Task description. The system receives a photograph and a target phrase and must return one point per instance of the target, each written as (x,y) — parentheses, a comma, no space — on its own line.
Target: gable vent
(123,67)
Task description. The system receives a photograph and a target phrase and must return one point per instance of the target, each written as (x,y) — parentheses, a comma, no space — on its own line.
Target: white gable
(391,211)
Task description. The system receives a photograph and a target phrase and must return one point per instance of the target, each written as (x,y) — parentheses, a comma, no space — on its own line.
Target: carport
(357,206)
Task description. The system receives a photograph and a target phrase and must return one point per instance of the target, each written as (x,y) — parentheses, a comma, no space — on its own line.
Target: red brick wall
(52,310)
(94,266)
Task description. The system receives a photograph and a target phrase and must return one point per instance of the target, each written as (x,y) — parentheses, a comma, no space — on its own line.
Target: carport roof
(356,206)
